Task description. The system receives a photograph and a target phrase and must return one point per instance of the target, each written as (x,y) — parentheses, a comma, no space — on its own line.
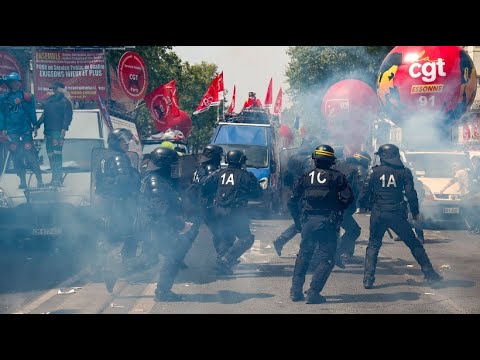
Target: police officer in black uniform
(319,198)
(383,192)
(117,183)
(297,165)
(201,208)
(355,169)
(232,188)
(160,221)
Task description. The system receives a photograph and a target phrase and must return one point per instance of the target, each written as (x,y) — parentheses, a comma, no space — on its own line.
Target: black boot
(296,294)
(167,296)
(110,280)
(371,258)
(368,282)
(314,297)
(40,183)
(23,182)
(278,245)
(432,276)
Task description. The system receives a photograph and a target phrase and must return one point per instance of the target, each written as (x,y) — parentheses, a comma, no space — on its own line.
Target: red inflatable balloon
(438,81)
(350,107)
(286,135)
(181,122)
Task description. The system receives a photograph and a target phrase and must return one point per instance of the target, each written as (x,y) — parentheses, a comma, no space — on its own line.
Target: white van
(87,131)
(434,169)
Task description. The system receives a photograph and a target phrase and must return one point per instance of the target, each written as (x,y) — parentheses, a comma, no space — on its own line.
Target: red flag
(231,108)
(277,109)
(211,97)
(268,97)
(163,104)
(476,132)
(466,132)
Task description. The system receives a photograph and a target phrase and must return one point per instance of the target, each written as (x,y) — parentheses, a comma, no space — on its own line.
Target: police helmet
(212,152)
(236,157)
(324,153)
(117,137)
(363,157)
(163,157)
(390,154)
(13,76)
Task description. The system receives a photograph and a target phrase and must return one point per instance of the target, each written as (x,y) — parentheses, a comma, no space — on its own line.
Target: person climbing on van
(56,118)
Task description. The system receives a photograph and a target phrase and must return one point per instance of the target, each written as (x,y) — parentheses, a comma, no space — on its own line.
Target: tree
(312,69)
(164,65)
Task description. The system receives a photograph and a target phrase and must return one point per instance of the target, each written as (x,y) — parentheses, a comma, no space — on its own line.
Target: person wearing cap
(18,122)
(319,198)
(56,118)
(252,101)
(384,193)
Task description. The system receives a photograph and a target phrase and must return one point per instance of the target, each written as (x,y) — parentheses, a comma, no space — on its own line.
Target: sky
(248,67)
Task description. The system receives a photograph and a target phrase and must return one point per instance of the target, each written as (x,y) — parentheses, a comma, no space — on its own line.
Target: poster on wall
(82,72)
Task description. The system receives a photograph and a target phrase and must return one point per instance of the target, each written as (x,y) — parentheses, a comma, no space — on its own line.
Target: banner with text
(82,72)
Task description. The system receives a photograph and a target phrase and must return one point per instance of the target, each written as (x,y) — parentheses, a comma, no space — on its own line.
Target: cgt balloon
(350,106)
(416,82)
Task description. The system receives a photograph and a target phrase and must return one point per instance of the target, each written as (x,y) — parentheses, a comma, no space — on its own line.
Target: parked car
(434,169)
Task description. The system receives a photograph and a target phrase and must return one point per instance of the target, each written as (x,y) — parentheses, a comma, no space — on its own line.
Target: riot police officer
(383,192)
(117,182)
(18,120)
(297,165)
(200,207)
(232,188)
(355,169)
(319,198)
(160,220)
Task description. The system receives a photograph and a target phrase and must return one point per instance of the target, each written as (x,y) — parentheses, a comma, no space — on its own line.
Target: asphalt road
(47,283)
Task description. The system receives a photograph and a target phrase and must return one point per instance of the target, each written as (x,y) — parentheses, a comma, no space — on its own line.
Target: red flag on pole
(231,108)
(268,97)
(211,97)
(277,109)
(162,103)
(466,132)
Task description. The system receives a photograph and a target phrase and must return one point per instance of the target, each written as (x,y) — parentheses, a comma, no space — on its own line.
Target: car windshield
(257,156)
(438,165)
(77,155)
(248,135)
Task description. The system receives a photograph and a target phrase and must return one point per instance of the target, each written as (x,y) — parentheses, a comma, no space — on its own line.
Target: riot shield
(99,157)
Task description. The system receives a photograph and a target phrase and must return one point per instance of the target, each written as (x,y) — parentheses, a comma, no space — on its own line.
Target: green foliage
(164,65)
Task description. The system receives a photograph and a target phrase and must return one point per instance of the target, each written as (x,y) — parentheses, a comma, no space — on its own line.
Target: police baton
(389,233)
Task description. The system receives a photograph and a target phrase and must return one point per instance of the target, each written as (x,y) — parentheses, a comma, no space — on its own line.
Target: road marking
(145,305)
(51,293)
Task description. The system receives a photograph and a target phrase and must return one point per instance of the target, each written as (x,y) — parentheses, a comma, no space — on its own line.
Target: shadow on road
(225,297)
(372,297)
(453,283)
